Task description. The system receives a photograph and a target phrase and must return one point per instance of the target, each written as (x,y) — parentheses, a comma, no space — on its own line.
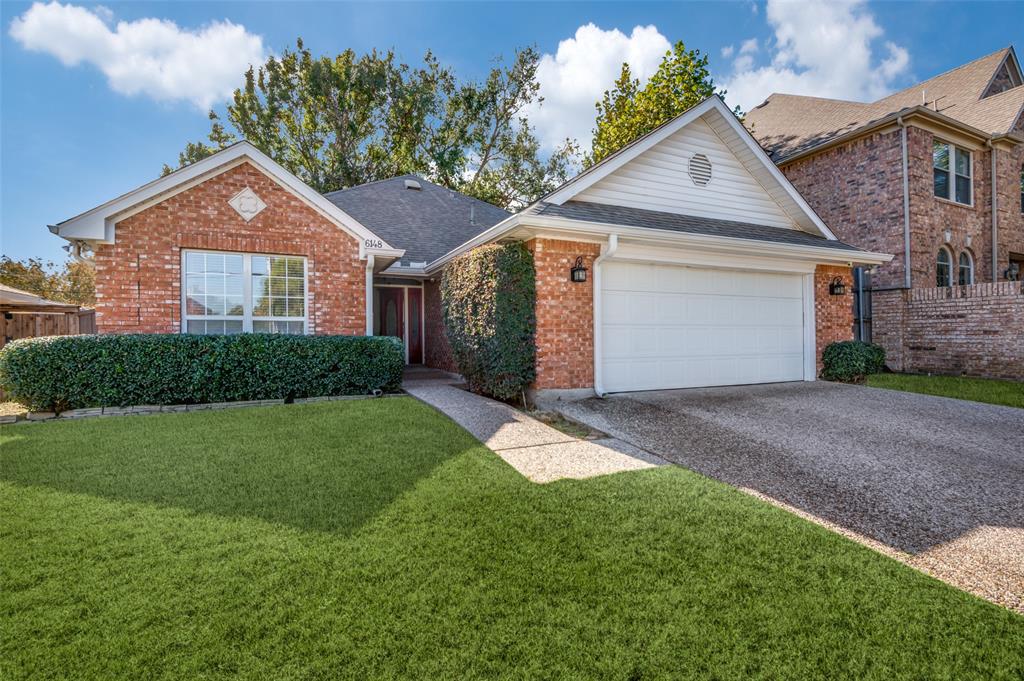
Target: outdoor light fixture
(578,273)
(836,287)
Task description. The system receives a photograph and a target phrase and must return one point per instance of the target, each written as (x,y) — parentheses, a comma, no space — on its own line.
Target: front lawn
(992,391)
(376,539)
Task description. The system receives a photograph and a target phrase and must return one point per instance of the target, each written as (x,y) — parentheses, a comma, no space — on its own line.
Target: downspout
(369,295)
(995,214)
(906,203)
(607,251)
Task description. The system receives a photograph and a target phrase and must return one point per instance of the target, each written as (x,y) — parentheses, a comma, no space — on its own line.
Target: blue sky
(90,109)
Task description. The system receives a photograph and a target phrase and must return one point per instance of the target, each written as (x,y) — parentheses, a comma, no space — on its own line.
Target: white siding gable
(658,179)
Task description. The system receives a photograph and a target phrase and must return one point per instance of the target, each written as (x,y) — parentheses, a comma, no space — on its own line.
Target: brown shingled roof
(787,125)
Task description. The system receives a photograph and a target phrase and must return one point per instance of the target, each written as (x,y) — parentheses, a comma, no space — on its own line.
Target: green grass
(376,539)
(992,391)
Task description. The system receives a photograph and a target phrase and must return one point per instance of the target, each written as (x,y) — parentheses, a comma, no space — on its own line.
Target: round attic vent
(700,170)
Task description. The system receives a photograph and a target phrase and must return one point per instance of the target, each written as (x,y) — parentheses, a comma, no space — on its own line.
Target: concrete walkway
(538,451)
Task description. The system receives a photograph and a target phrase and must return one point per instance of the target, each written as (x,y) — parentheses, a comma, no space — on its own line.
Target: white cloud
(749,46)
(573,79)
(151,57)
(824,48)
(728,51)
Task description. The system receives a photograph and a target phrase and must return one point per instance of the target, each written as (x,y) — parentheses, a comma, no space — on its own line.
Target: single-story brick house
(704,265)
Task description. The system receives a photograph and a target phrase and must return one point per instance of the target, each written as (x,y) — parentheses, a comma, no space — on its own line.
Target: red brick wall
(565,315)
(833,315)
(438,351)
(138,278)
(970,227)
(857,189)
(973,330)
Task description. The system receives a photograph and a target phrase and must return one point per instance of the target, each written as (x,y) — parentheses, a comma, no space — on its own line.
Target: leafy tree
(627,111)
(72,283)
(342,121)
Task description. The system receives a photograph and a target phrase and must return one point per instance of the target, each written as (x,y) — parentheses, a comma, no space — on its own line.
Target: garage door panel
(669,326)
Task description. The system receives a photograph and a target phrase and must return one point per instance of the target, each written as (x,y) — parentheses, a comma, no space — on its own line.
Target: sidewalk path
(538,451)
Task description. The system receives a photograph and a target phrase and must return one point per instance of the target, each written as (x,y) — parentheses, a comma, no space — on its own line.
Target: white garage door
(669,326)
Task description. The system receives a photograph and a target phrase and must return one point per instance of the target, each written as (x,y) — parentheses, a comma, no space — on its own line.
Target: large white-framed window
(965,269)
(952,169)
(243,292)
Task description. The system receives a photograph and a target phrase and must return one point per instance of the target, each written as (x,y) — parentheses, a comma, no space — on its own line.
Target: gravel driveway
(936,482)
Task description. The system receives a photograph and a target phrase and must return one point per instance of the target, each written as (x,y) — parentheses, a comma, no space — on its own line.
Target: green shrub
(487,298)
(72,372)
(851,361)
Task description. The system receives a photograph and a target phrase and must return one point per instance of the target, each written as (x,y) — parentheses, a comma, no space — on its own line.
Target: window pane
(194,262)
(296,307)
(942,268)
(259,264)
(234,307)
(214,262)
(966,270)
(233,264)
(233,326)
(942,183)
(215,305)
(963,189)
(295,267)
(940,155)
(963,162)
(279,307)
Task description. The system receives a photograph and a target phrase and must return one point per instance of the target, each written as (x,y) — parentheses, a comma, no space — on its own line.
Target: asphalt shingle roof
(787,125)
(427,223)
(651,219)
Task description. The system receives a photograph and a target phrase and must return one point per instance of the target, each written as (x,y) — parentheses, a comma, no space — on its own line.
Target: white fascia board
(97,225)
(574,229)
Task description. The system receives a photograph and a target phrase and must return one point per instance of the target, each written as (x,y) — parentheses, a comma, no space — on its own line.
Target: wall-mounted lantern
(836,287)
(578,273)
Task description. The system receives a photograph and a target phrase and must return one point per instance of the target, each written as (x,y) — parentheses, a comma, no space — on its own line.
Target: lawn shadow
(328,467)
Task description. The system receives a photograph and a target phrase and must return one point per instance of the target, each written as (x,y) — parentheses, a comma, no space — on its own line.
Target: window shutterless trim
(247,318)
(952,173)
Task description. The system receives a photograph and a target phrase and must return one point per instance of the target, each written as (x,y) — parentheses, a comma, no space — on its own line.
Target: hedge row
(74,372)
(851,361)
(487,299)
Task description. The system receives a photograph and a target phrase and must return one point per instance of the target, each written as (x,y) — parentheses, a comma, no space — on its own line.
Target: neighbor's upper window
(944,268)
(966,272)
(236,292)
(951,172)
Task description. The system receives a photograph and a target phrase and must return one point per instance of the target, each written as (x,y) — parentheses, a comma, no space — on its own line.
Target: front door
(390,313)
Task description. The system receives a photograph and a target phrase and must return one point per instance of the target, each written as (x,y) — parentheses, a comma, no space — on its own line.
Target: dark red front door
(390,317)
(415,326)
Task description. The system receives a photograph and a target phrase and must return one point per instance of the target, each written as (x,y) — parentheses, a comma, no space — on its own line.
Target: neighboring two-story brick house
(933,174)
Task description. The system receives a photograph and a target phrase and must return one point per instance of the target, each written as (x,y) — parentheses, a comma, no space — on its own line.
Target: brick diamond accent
(247,203)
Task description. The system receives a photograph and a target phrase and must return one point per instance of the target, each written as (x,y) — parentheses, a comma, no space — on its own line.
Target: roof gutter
(895,117)
(906,202)
(995,214)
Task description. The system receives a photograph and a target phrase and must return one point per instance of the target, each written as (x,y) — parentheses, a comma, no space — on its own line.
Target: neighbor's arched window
(944,268)
(966,270)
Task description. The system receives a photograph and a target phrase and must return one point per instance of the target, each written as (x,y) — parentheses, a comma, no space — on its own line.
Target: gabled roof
(98,224)
(791,125)
(15,298)
(740,142)
(427,222)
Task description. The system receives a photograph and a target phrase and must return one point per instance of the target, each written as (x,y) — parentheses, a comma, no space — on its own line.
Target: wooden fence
(15,325)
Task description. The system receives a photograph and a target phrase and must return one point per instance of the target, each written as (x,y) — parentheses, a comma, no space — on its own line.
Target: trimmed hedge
(851,361)
(487,300)
(74,372)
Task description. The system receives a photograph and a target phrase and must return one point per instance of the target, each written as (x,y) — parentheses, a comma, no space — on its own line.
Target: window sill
(968,206)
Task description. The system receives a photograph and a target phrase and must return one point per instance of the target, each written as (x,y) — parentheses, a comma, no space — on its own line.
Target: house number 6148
(374,243)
